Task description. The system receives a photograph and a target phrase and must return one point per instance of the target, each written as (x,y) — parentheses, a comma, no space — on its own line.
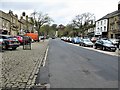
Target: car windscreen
(107,42)
(87,40)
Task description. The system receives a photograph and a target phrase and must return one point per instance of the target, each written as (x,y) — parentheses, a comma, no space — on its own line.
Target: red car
(20,39)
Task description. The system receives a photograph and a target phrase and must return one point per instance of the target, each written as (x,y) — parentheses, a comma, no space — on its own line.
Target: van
(33,36)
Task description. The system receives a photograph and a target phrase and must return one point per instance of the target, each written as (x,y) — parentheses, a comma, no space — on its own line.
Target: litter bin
(26,43)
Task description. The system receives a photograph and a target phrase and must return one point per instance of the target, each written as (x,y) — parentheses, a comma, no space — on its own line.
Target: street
(70,66)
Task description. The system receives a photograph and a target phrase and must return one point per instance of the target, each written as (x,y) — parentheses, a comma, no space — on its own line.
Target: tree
(54,27)
(45,29)
(40,19)
(83,21)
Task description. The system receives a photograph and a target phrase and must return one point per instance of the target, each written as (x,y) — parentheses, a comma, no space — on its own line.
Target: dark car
(53,37)
(86,42)
(10,42)
(105,44)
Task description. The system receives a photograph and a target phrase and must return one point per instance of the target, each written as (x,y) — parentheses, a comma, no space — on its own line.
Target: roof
(115,13)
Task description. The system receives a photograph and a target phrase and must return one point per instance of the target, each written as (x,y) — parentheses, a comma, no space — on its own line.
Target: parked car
(115,41)
(20,39)
(10,42)
(70,39)
(53,37)
(76,40)
(86,42)
(105,44)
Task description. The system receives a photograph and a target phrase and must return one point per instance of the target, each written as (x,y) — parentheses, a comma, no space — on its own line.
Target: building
(109,25)
(4,23)
(8,23)
(91,31)
(114,24)
(14,25)
(11,25)
(25,26)
(102,27)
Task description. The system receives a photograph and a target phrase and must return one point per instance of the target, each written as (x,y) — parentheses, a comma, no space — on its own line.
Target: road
(71,66)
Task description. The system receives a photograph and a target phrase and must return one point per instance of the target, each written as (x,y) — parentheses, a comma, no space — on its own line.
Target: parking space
(116,53)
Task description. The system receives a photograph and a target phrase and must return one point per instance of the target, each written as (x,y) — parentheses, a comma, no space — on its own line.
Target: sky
(61,11)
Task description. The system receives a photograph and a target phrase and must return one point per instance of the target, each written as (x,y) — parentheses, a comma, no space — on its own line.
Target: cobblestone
(19,67)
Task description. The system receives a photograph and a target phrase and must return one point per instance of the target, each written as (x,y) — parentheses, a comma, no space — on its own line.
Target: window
(104,28)
(104,21)
(97,29)
(101,28)
(111,35)
(101,22)
(98,23)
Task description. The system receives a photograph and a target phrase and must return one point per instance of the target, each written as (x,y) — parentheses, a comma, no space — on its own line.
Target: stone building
(14,23)
(109,25)
(8,23)
(4,23)
(11,25)
(114,23)
(25,26)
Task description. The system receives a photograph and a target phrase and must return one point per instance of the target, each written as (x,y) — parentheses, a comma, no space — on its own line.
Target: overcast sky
(61,11)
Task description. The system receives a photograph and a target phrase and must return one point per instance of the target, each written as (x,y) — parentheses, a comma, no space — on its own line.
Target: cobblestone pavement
(20,67)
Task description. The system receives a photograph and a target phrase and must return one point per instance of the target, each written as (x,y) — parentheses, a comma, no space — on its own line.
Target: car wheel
(14,48)
(103,48)
(6,47)
(113,50)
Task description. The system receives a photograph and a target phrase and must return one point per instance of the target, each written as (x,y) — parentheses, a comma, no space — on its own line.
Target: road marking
(45,58)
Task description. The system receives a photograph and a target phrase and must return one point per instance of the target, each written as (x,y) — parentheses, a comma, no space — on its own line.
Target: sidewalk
(20,67)
(116,53)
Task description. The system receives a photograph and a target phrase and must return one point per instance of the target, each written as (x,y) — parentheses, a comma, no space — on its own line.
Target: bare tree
(40,19)
(82,21)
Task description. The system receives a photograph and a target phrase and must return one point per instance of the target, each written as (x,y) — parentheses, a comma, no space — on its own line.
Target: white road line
(45,58)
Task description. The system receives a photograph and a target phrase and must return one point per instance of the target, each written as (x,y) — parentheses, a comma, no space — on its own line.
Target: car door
(98,44)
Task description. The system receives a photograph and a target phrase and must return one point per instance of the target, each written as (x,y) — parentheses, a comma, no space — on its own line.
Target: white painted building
(101,27)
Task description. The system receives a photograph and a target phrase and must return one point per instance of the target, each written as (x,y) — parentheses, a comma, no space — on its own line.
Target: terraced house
(11,25)
(5,23)
(114,24)
(109,25)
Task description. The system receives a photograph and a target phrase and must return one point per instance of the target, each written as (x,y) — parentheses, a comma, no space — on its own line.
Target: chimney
(119,5)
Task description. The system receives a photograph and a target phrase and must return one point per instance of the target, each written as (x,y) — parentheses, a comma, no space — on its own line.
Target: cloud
(62,11)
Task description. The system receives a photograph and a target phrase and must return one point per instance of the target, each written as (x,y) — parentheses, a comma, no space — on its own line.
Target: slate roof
(115,13)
